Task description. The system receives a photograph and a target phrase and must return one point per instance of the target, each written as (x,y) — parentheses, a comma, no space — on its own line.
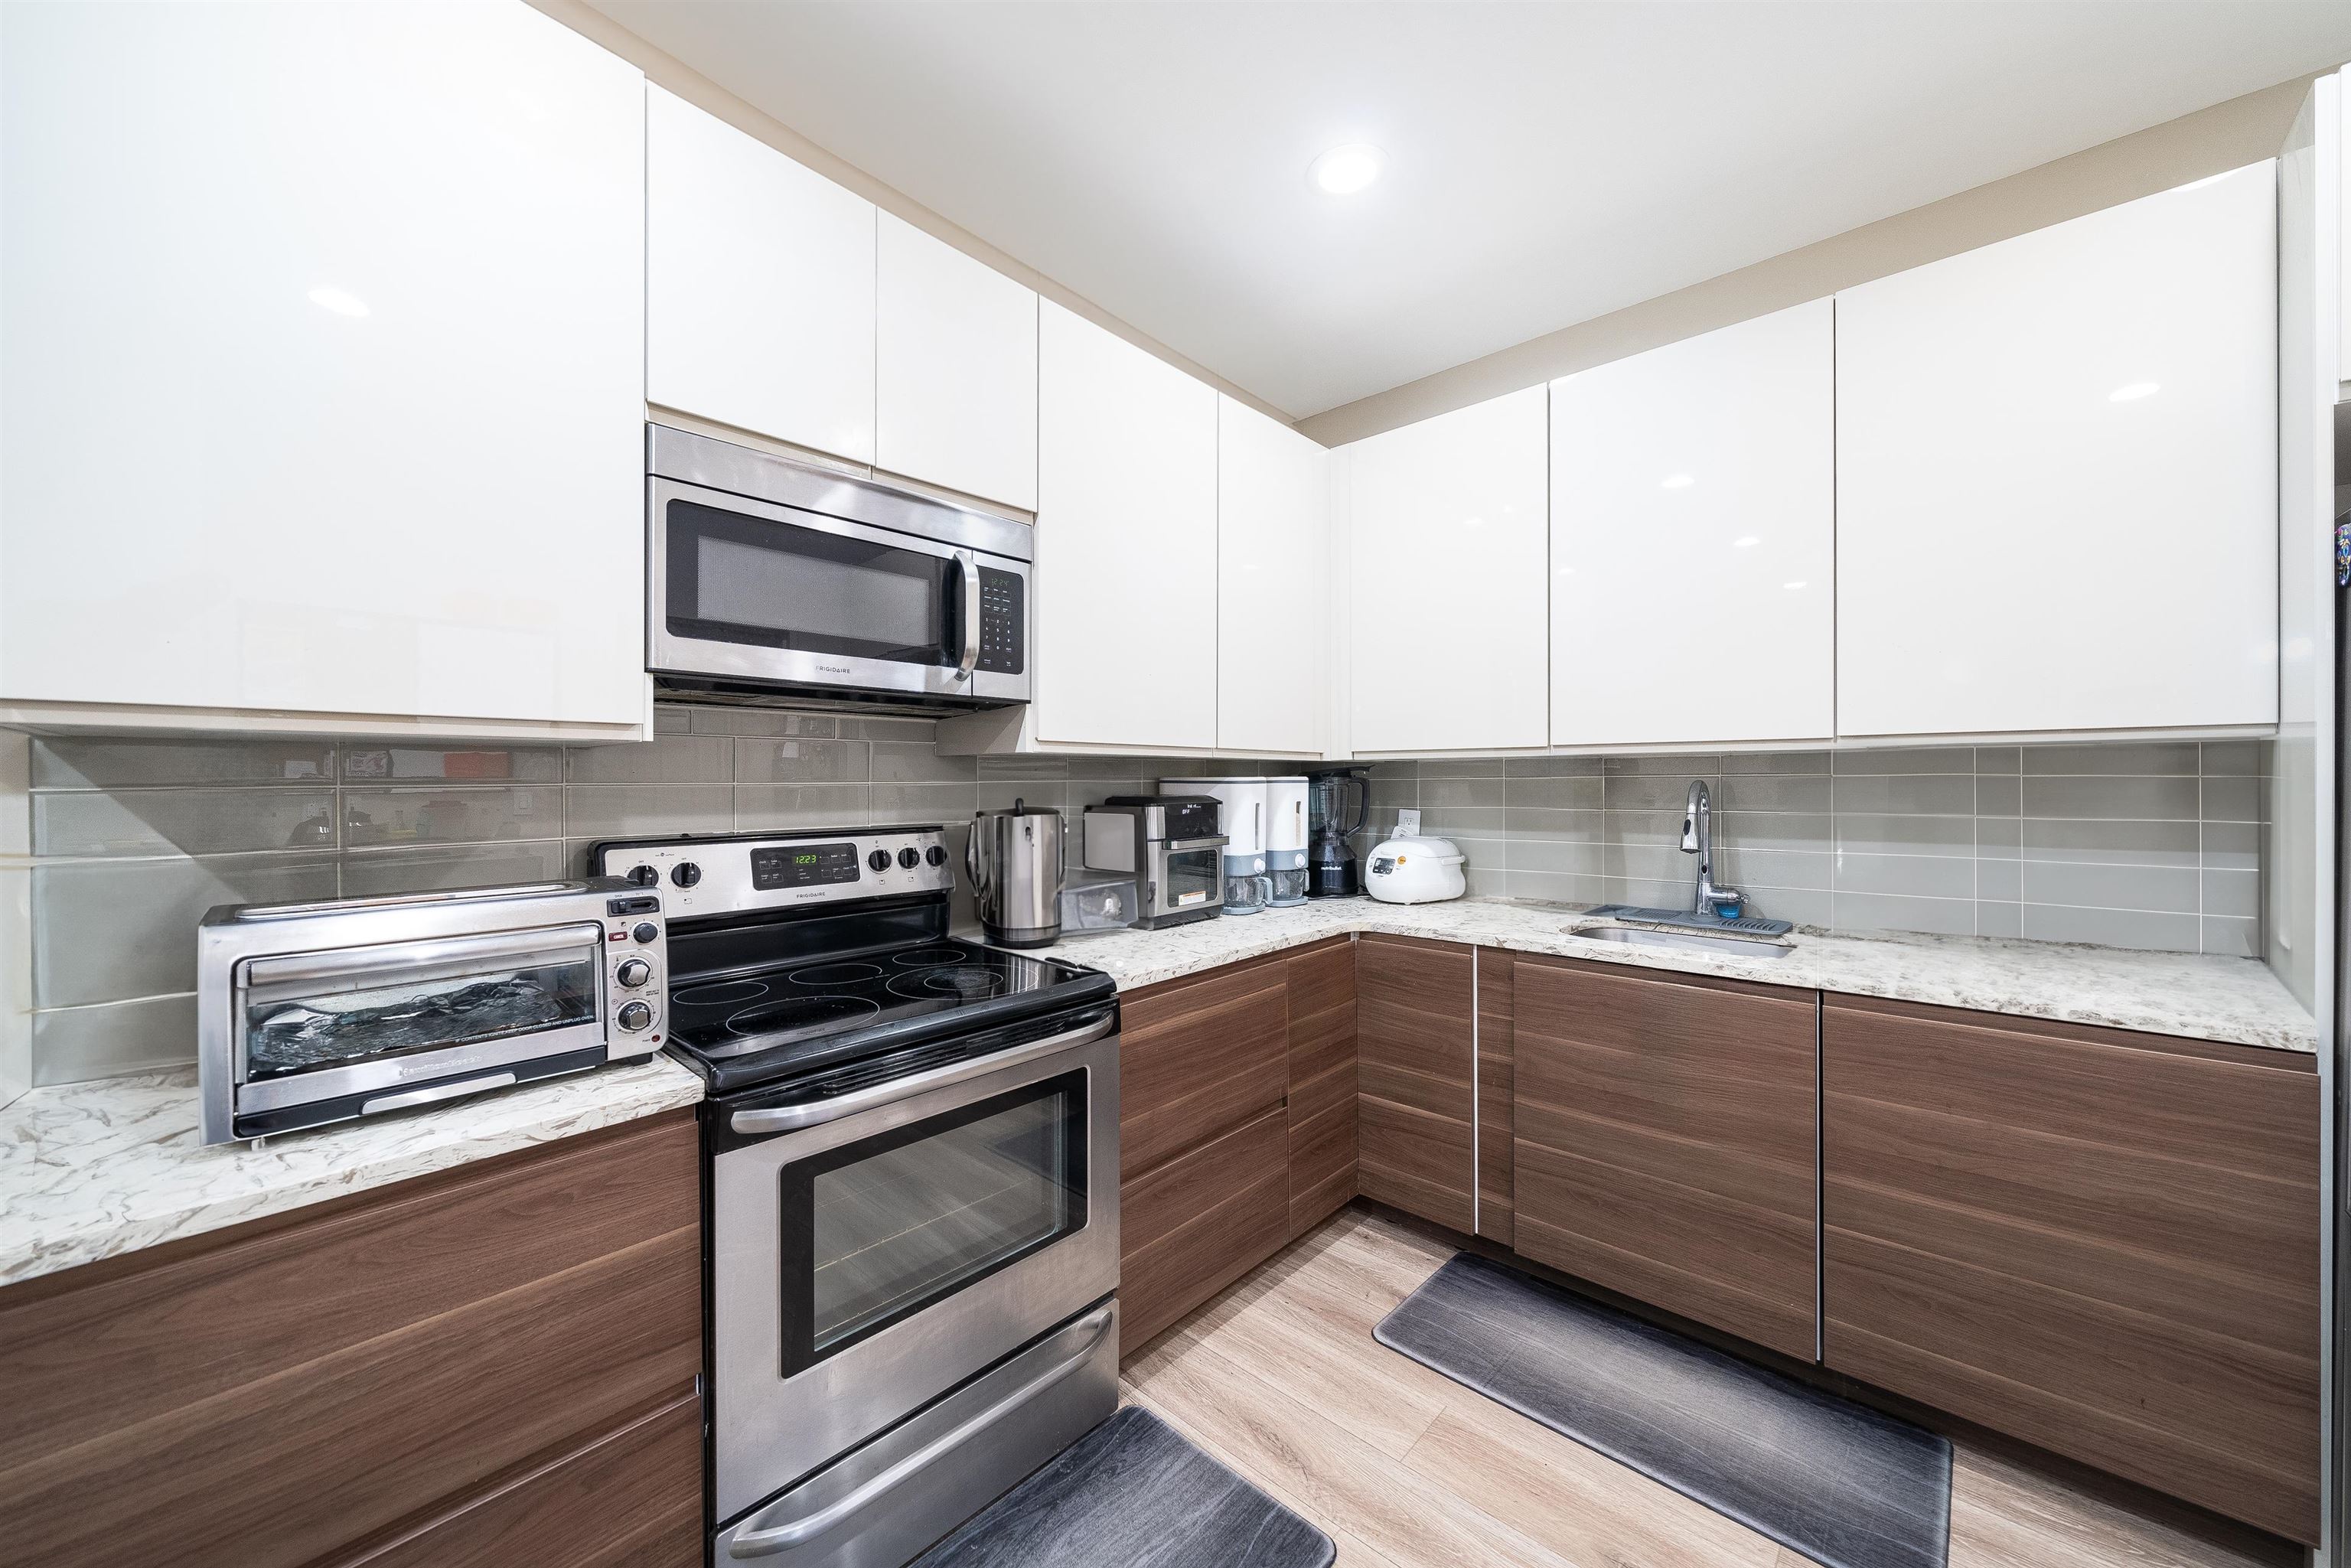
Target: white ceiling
(1547,162)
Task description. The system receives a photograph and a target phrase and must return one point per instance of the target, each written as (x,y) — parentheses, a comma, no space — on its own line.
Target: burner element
(963,985)
(835,974)
(796,1016)
(719,993)
(929,957)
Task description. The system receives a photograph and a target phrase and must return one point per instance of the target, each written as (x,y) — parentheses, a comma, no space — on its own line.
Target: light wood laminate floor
(1279,1377)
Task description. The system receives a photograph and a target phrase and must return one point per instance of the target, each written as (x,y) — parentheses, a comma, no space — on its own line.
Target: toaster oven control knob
(644,876)
(634,972)
(646,931)
(686,873)
(633,1017)
(935,855)
(909,857)
(879,859)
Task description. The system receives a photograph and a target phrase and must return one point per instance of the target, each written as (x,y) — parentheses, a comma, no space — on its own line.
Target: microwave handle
(968,564)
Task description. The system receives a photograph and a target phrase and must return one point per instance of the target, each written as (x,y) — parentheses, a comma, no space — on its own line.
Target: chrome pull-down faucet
(1698,839)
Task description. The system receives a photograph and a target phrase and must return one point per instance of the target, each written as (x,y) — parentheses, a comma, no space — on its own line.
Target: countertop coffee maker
(1338,803)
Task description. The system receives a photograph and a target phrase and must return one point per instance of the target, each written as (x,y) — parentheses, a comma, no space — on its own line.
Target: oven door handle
(791,1118)
(968,564)
(808,1526)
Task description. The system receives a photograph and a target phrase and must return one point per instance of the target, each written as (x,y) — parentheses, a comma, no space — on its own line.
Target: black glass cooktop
(756,1025)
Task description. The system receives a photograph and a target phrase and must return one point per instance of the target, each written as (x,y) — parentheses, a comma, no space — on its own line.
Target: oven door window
(736,578)
(1192,877)
(881,1228)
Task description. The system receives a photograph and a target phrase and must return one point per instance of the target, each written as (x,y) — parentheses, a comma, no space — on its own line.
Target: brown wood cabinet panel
(1664,1141)
(1497,969)
(1197,1057)
(631,1498)
(2102,1242)
(1322,1082)
(1414,1023)
(1198,1222)
(379,1359)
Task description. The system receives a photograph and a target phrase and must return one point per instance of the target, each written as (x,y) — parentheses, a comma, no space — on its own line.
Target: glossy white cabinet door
(1447,619)
(1693,517)
(2057,476)
(1125,615)
(323,368)
(1273,591)
(758,285)
(955,370)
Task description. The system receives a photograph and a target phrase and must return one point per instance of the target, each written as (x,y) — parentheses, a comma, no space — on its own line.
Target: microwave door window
(737,579)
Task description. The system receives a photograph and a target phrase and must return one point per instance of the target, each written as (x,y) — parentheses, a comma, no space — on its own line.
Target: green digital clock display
(780,869)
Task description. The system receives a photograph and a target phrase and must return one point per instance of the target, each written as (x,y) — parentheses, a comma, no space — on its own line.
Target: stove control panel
(744,871)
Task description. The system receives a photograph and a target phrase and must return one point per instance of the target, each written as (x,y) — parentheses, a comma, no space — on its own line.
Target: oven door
(870,1252)
(743,590)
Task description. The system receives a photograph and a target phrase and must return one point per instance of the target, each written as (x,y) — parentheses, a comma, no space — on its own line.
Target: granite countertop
(2232,1000)
(91,1170)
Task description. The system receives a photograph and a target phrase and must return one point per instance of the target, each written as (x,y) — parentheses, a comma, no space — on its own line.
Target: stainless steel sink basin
(1695,941)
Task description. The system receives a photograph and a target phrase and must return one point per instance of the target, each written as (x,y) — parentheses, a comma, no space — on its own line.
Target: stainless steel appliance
(910,1149)
(1172,844)
(1016,863)
(773,580)
(1338,803)
(311,1013)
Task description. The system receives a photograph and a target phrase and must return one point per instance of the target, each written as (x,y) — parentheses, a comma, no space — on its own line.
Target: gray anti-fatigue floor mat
(1132,1493)
(1837,1481)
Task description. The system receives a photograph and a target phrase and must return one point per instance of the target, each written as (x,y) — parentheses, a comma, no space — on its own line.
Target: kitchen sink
(1694,941)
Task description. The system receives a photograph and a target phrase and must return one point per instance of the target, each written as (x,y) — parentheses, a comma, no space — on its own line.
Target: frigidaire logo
(834,669)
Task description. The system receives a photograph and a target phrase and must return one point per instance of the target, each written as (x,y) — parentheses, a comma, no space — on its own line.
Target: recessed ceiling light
(1343,170)
(1676,482)
(1745,542)
(2133,391)
(342,302)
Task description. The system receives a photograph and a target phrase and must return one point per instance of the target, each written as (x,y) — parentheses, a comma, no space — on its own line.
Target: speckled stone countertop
(2233,1000)
(91,1170)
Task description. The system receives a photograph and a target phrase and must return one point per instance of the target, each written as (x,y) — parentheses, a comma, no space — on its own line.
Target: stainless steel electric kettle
(1015,861)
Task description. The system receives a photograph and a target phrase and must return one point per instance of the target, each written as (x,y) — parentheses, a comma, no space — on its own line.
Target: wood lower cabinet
(1497,1016)
(1321,1120)
(321,1387)
(2102,1242)
(1196,1224)
(1414,1017)
(1664,1141)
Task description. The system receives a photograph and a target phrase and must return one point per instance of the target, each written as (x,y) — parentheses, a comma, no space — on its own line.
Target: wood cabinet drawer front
(1414,1018)
(1322,977)
(1322,1165)
(631,1499)
(1198,1222)
(2102,1242)
(1198,1059)
(1497,1009)
(271,1399)
(1664,1141)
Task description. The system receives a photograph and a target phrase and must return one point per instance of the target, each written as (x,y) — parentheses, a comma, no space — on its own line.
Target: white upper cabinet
(1273,507)
(2057,476)
(956,369)
(758,285)
(1693,517)
(1447,621)
(324,374)
(1125,583)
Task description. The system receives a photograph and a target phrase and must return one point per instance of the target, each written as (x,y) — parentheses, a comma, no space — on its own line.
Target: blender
(1331,868)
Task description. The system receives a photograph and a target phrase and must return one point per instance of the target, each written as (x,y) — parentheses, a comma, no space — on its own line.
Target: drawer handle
(808,1526)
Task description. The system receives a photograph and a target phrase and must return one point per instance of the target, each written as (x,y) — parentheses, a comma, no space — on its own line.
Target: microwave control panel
(1003,615)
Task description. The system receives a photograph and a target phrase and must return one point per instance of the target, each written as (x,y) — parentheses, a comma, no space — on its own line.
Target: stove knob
(879,859)
(909,857)
(935,855)
(686,873)
(634,972)
(633,1017)
(644,876)
(646,931)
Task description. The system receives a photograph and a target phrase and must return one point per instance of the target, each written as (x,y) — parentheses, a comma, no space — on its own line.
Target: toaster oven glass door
(314,1013)
(757,581)
(1191,879)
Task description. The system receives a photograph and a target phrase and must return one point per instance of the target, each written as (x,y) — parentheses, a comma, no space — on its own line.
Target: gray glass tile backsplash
(2157,845)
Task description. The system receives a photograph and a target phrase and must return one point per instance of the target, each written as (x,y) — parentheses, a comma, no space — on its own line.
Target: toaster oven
(311,1013)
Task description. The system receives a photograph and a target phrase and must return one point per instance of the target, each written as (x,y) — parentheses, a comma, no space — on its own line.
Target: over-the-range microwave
(772,580)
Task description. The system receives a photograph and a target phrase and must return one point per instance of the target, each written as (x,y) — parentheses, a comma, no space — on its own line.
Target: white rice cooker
(1409,869)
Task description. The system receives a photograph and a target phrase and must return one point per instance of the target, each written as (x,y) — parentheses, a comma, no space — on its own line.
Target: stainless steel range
(910,1148)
